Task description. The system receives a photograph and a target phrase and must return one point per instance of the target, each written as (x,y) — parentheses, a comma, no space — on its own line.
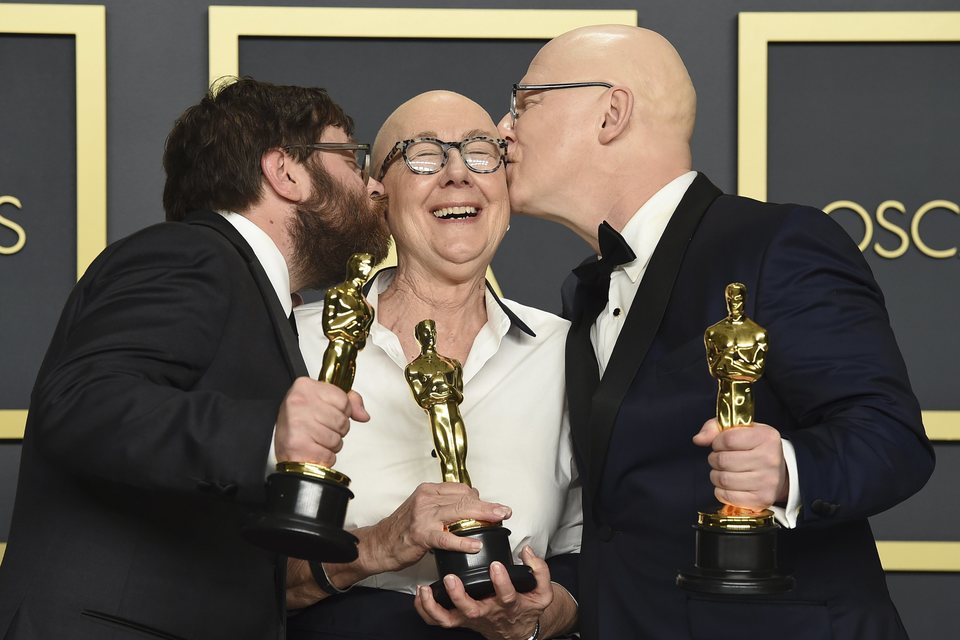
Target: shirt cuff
(787,516)
(272,454)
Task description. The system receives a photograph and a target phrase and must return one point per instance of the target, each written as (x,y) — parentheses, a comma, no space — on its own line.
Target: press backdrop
(854,113)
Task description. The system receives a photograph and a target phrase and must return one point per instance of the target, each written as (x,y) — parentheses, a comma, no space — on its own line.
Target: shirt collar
(267,254)
(498,313)
(644,229)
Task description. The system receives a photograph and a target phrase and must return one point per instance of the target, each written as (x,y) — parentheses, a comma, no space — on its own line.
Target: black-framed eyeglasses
(361,153)
(481,154)
(550,86)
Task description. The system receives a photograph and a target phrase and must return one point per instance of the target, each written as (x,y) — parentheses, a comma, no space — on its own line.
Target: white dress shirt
(519,451)
(273,263)
(643,233)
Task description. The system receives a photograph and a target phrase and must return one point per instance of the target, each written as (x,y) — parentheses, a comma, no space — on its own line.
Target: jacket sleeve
(118,398)
(835,365)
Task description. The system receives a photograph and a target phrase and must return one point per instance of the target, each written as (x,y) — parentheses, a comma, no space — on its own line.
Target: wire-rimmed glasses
(549,86)
(361,153)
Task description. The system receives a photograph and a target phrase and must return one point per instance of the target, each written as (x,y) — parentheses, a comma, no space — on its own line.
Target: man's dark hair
(212,155)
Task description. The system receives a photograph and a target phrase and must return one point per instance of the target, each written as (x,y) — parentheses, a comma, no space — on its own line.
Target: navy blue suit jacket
(835,386)
(146,447)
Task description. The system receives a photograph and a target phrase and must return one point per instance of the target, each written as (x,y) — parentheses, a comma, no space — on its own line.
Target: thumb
(357,411)
(707,434)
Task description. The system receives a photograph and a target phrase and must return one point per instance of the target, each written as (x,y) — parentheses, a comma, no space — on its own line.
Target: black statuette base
(736,563)
(474,568)
(304,519)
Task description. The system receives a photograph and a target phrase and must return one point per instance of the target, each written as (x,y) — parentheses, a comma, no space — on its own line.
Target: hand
(506,615)
(748,469)
(419,524)
(313,419)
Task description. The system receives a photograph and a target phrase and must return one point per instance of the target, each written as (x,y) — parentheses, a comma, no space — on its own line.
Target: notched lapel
(643,321)
(281,324)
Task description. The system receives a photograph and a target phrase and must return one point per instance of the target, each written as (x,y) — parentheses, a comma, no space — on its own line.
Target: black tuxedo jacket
(146,447)
(835,386)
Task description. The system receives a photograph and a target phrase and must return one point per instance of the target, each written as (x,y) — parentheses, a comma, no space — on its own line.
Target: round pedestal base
(731,562)
(304,519)
(473,569)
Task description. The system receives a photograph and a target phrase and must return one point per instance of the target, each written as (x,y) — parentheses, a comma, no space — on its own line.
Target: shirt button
(616,312)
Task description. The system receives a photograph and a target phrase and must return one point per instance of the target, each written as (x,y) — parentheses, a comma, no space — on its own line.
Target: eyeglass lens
(428,156)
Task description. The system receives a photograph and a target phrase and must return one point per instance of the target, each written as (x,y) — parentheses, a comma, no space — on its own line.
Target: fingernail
(449,581)
(502,512)
(475,546)
(496,567)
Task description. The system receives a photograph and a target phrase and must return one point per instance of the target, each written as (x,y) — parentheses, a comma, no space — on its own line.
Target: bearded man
(174,383)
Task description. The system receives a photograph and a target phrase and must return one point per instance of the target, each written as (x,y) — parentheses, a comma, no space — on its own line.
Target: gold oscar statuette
(307,502)
(437,385)
(736,546)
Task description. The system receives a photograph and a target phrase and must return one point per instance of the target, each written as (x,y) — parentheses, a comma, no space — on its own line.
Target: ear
(286,177)
(617,114)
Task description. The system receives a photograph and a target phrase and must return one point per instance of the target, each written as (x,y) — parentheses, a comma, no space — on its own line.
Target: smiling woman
(441,164)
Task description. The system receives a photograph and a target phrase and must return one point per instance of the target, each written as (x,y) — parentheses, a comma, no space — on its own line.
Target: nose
(455,171)
(374,187)
(505,128)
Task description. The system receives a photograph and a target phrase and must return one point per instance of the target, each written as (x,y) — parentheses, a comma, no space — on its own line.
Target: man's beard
(329,227)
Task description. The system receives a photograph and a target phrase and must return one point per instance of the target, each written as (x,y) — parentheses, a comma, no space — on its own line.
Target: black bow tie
(614,251)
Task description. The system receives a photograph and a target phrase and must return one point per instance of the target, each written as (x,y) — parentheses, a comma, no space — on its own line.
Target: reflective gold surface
(314,471)
(347,317)
(437,385)
(744,522)
(470,525)
(736,353)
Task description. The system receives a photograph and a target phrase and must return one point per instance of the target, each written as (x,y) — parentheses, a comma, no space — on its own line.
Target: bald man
(599,141)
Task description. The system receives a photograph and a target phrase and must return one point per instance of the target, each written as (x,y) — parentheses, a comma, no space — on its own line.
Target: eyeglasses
(550,86)
(360,153)
(428,155)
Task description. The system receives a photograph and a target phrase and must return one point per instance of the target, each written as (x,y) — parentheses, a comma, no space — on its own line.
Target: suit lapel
(281,324)
(643,321)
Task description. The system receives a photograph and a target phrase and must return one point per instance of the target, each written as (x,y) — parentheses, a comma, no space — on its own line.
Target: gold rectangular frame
(87,23)
(756,32)
(229,23)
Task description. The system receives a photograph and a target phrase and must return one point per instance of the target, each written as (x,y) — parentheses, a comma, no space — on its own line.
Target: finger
(734,461)
(452,542)
(325,393)
(426,606)
(467,506)
(357,411)
(745,438)
(707,433)
(541,572)
(466,605)
(504,591)
(745,481)
(744,499)
(452,489)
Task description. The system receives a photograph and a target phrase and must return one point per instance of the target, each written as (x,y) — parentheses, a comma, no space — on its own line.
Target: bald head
(583,154)
(419,116)
(637,58)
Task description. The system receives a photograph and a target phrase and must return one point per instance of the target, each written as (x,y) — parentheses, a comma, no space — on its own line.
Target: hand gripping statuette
(307,502)
(736,551)
(437,385)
